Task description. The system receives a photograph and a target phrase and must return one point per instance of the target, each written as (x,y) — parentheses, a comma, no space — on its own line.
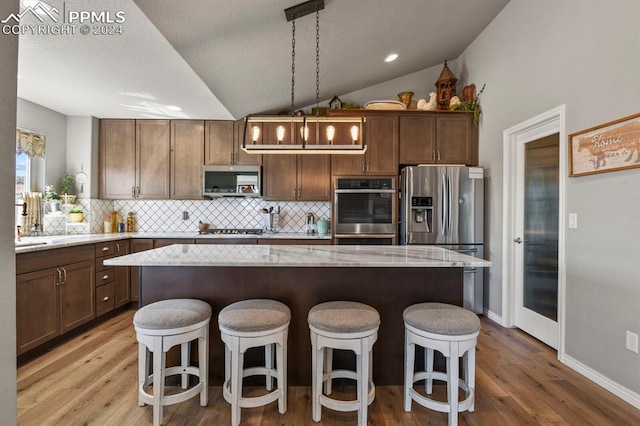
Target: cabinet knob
(105,299)
(105,248)
(105,277)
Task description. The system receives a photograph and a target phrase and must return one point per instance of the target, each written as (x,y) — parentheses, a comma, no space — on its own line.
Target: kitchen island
(388,278)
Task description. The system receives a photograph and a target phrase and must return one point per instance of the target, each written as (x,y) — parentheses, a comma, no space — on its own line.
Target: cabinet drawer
(106,276)
(105,299)
(105,249)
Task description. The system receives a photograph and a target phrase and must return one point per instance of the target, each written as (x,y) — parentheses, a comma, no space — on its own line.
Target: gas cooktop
(232,231)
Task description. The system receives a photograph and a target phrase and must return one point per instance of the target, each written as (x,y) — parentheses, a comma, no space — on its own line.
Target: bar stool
(248,324)
(452,331)
(348,326)
(160,326)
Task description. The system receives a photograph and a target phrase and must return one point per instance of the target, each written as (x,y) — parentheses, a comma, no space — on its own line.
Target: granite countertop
(298,256)
(31,244)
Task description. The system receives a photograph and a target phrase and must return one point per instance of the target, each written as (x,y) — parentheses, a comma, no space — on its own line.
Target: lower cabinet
(137,245)
(122,283)
(52,301)
(293,241)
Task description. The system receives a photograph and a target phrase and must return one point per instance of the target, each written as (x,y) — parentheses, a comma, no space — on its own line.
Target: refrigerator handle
(449,205)
(445,206)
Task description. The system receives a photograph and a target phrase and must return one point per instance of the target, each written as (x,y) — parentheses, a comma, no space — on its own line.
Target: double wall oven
(365,210)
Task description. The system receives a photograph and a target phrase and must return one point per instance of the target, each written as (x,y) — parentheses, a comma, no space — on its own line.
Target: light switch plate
(573,220)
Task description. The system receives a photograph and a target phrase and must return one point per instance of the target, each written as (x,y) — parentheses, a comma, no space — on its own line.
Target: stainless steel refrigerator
(444,205)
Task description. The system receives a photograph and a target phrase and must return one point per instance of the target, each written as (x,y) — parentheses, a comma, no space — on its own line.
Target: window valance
(30,143)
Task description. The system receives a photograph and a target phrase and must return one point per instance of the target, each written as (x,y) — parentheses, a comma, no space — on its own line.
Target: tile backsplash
(167,215)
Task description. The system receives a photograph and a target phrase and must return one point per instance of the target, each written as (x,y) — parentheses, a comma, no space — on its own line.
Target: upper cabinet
(187,158)
(438,138)
(223,142)
(381,157)
(296,177)
(134,159)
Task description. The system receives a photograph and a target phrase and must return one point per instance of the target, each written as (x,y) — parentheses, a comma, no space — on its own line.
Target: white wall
(82,152)
(534,56)
(53,125)
(8,90)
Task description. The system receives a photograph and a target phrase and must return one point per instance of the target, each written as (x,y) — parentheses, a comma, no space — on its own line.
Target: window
(23,169)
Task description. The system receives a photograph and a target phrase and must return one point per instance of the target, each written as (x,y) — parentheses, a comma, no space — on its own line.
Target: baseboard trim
(493,317)
(615,388)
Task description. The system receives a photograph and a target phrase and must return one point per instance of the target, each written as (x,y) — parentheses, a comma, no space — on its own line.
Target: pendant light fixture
(332,135)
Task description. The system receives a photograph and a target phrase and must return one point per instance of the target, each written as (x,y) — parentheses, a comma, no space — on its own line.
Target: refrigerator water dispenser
(421,214)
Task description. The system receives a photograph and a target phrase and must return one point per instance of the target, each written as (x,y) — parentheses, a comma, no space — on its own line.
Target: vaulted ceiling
(219,59)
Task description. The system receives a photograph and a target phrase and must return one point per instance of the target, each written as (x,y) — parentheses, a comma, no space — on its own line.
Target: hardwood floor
(91,380)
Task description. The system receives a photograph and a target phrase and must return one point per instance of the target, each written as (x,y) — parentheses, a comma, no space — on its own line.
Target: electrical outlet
(185,215)
(632,342)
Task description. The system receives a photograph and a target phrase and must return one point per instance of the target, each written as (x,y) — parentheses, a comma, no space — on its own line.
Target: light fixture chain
(317,61)
(293,63)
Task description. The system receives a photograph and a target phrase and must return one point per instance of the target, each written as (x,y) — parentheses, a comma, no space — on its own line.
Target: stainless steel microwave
(232,181)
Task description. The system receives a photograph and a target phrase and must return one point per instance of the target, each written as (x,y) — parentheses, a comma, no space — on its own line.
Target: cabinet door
(314,177)
(218,142)
(382,138)
(187,158)
(117,152)
(153,146)
(241,156)
(122,282)
(457,139)
(77,295)
(348,164)
(137,245)
(37,308)
(279,177)
(417,139)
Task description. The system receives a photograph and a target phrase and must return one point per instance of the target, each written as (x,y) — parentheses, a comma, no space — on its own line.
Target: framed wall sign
(605,148)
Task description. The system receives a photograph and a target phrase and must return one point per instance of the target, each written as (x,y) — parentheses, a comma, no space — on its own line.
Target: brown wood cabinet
(54,294)
(187,158)
(438,138)
(243,241)
(291,177)
(137,245)
(381,157)
(223,142)
(122,288)
(134,159)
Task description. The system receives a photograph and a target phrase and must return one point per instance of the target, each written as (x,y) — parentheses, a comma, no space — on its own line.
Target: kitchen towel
(34,212)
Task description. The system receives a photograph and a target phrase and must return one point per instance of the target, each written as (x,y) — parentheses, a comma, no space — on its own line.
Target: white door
(535,172)
(536,238)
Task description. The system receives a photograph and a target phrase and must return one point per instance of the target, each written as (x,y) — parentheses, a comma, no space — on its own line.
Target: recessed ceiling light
(173,108)
(392,57)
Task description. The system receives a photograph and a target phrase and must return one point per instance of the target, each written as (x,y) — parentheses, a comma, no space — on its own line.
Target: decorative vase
(405,98)
(76,217)
(54,205)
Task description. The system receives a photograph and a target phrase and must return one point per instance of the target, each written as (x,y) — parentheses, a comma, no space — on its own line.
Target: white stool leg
(159,358)
(143,369)
(268,363)
(328,368)
(362,367)
(409,360)
(452,383)
(428,366)
(317,362)
(282,384)
(185,356)
(470,375)
(203,367)
(237,360)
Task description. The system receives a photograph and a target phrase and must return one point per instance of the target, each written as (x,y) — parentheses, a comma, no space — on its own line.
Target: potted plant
(66,188)
(76,215)
(52,197)
(472,105)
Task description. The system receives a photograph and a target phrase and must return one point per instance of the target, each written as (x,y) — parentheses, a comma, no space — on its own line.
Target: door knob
(518,240)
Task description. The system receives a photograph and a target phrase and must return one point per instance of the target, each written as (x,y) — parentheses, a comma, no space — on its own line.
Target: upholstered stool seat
(452,331)
(248,324)
(160,326)
(347,326)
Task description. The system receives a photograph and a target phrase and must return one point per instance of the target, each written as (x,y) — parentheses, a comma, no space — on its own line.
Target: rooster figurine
(431,105)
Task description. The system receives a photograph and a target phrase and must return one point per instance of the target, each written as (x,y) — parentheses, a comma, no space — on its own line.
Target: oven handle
(365,191)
